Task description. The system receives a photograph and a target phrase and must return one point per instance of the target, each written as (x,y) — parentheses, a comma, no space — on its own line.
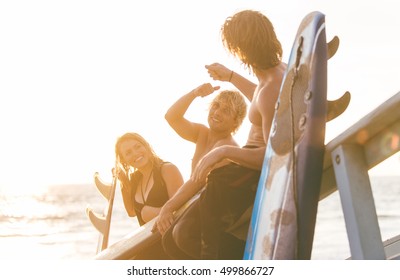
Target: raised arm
(220,73)
(175,114)
(248,157)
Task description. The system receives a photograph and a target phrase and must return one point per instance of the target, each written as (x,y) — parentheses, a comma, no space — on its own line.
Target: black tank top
(157,196)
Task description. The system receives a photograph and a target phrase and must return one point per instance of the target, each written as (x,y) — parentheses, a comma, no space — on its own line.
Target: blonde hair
(235,102)
(250,36)
(155,159)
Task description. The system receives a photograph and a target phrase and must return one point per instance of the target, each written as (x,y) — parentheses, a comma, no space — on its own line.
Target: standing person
(147,182)
(230,190)
(226,114)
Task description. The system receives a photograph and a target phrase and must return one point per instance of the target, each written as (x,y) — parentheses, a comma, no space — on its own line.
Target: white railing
(347,160)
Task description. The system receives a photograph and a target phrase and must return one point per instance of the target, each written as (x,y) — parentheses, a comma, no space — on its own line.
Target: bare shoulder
(170,170)
(168,167)
(203,131)
(267,97)
(172,177)
(269,88)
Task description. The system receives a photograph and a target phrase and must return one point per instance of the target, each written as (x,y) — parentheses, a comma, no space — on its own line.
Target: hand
(164,220)
(205,89)
(121,175)
(219,72)
(206,164)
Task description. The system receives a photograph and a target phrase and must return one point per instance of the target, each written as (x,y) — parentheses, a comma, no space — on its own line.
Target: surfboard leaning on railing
(284,213)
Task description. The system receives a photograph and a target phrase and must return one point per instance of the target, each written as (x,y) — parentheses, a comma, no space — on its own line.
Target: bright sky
(75,75)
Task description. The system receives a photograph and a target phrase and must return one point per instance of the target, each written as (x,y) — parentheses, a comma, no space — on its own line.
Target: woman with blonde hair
(147,182)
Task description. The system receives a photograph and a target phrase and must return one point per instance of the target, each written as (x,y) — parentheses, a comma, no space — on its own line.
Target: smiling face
(227,111)
(221,117)
(132,150)
(134,153)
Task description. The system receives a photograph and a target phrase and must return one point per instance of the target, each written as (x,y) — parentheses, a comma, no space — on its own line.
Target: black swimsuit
(157,196)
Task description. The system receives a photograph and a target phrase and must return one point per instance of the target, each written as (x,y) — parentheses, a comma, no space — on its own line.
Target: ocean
(52,224)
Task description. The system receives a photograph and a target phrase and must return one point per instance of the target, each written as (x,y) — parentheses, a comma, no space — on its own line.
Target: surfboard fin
(338,106)
(333,46)
(98,221)
(103,188)
(103,222)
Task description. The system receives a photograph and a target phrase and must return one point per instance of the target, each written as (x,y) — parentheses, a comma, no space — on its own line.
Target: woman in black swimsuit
(147,182)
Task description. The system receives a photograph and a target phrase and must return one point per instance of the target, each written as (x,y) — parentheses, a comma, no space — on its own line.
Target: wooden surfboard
(284,212)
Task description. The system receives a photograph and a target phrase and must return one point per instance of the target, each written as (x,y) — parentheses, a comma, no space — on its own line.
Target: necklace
(145,187)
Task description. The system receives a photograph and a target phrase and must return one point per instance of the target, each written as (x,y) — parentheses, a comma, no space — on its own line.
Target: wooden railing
(347,160)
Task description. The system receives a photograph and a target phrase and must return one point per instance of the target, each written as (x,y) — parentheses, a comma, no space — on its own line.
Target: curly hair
(250,36)
(235,102)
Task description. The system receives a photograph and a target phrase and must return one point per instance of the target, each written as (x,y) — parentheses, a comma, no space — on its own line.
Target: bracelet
(230,77)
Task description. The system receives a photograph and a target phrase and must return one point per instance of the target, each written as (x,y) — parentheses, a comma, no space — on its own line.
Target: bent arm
(175,114)
(220,72)
(175,118)
(245,86)
(249,157)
